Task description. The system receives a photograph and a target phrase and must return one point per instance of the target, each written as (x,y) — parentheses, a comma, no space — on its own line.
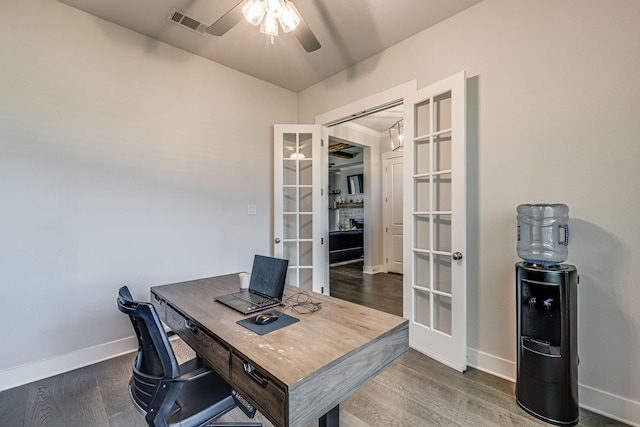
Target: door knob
(277,240)
(456,256)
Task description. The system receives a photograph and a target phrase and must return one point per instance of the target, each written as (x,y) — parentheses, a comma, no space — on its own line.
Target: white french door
(392,214)
(435,221)
(298,213)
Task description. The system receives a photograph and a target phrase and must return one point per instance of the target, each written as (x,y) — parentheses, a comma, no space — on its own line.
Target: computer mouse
(265,318)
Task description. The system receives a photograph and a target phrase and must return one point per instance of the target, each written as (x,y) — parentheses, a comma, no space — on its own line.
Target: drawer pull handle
(191,326)
(253,373)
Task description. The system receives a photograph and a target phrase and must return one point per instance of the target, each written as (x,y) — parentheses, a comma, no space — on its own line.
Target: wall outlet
(252,209)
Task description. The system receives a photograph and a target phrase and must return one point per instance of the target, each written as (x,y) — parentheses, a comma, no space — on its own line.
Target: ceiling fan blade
(227,21)
(304,34)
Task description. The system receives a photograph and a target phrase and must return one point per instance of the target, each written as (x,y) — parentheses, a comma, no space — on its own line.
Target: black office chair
(168,394)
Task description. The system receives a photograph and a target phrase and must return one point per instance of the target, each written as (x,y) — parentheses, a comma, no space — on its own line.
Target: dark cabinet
(345,245)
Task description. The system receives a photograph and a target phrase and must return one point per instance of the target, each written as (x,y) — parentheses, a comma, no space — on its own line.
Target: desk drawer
(257,385)
(210,349)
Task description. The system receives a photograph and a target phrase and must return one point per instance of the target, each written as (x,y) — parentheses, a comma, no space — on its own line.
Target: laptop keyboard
(254,299)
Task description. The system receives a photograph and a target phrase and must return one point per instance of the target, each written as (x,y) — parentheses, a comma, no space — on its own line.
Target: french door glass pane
(306,254)
(292,277)
(442,233)
(442,152)
(422,270)
(291,253)
(421,308)
(422,230)
(422,194)
(306,199)
(289,172)
(289,145)
(442,111)
(290,226)
(423,157)
(306,170)
(442,273)
(305,147)
(290,199)
(442,192)
(442,314)
(306,229)
(422,118)
(305,278)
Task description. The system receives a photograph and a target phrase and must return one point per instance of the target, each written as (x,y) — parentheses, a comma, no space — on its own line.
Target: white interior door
(392,213)
(298,213)
(435,221)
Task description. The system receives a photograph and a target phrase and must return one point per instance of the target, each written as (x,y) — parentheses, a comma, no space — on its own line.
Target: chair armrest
(187,374)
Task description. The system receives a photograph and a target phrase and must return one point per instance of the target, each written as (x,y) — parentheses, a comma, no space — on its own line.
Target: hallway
(382,291)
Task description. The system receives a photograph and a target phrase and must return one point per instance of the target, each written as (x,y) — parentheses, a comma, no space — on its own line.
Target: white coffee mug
(244,280)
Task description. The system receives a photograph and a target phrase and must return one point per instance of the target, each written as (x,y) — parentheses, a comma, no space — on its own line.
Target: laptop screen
(268,276)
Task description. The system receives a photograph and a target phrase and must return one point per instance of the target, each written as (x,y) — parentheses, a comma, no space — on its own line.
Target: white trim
(372,269)
(35,371)
(397,93)
(392,154)
(491,364)
(380,98)
(616,407)
(437,358)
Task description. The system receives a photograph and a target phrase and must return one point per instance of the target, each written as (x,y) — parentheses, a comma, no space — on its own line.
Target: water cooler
(546,298)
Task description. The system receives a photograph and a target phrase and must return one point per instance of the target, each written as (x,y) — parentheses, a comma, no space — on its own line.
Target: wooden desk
(306,369)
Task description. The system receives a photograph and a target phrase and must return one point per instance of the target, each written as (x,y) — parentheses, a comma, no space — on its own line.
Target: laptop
(266,287)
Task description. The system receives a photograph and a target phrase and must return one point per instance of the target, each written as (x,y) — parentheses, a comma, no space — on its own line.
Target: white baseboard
(35,371)
(491,364)
(598,401)
(372,269)
(609,405)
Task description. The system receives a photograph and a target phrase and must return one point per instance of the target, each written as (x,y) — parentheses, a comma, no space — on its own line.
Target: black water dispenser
(546,299)
(547,383)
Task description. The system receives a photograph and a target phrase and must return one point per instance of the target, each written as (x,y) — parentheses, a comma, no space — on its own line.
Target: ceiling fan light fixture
(254,11)
(268,13)
(269,26)
(275,8)
(289,19)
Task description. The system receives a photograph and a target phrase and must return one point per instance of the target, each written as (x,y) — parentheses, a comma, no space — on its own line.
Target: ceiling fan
(269,14)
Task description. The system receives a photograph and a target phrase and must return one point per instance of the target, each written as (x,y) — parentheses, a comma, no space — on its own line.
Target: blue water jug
(543,233)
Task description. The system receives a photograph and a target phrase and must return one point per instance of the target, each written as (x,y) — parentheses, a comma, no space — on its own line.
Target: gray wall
(122,161)
(553,115)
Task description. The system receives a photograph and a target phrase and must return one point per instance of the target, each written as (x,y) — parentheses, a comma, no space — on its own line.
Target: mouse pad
(283,320)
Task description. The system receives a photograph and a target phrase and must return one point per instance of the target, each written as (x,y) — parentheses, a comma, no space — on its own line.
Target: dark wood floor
(380,291)
(416,391)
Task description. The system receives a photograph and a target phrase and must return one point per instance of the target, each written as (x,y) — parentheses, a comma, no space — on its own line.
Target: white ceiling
(348,30)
